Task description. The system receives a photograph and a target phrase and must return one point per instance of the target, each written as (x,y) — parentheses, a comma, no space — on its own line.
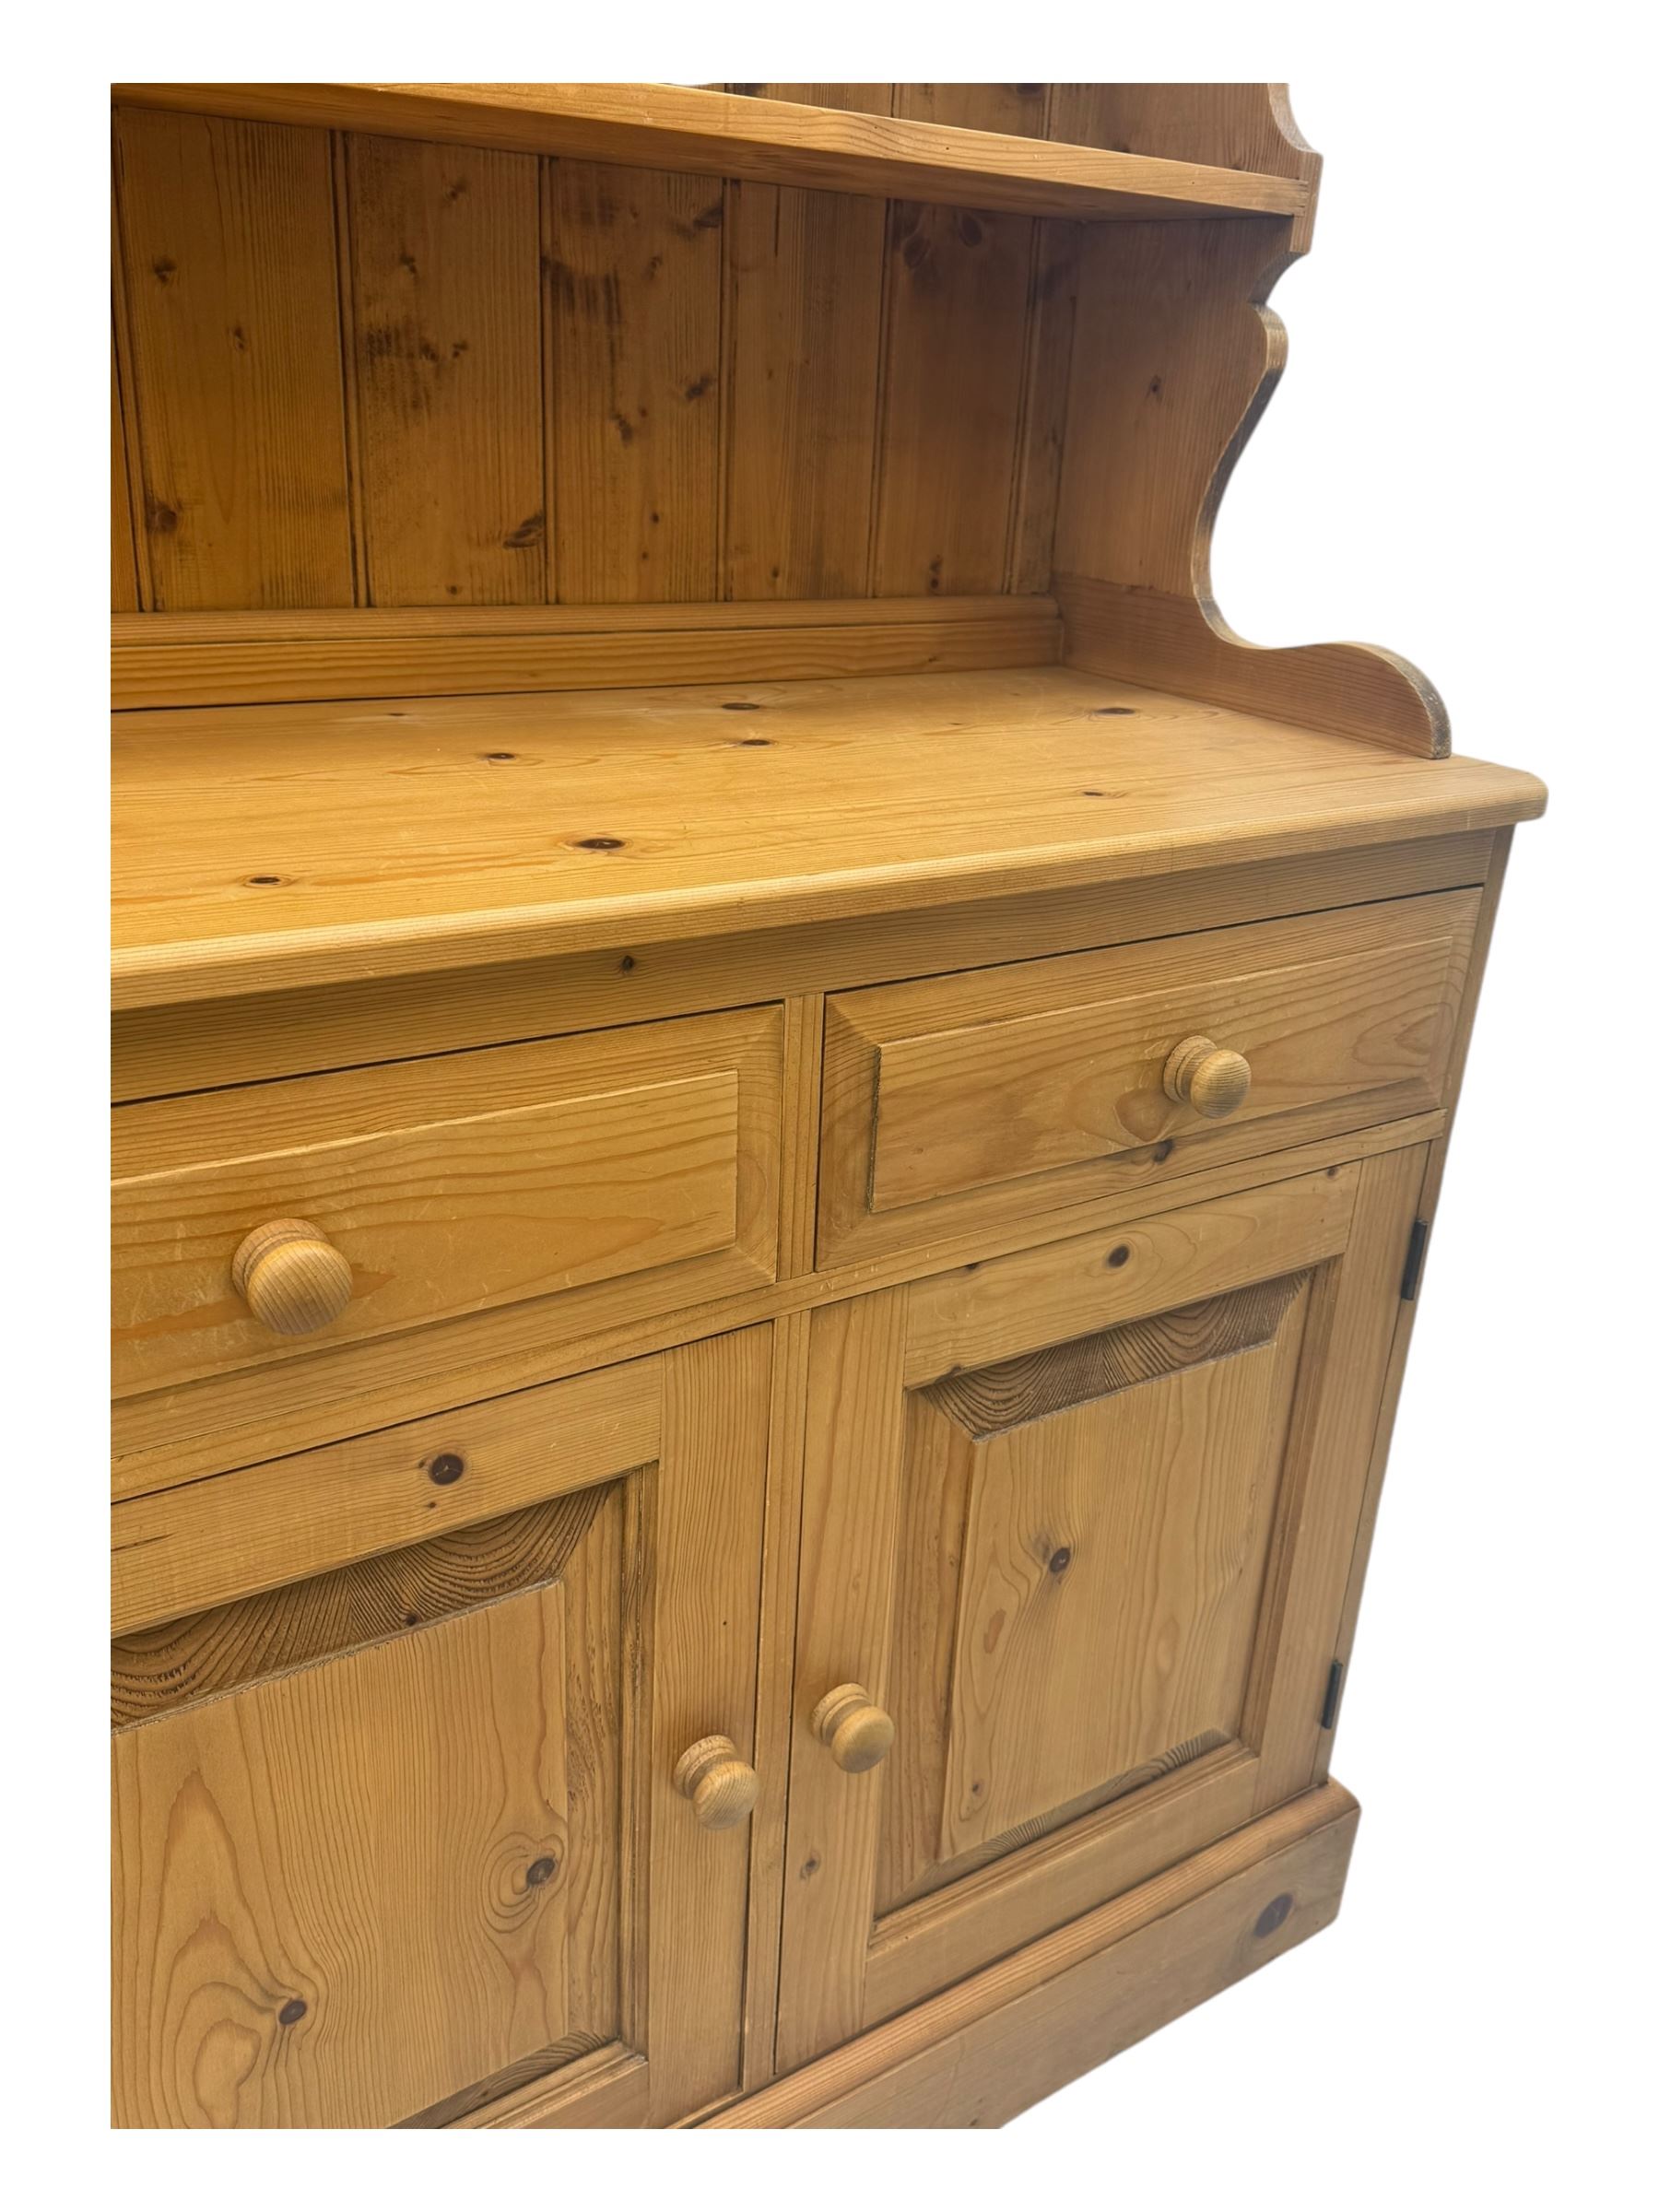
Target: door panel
(1072,1517)
(397,1838)
(371,1849)
(1111,1571)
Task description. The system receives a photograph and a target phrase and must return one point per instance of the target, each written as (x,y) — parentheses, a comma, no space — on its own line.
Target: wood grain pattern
(611,2088)
(406,847)
(452,487)
(940,1091)
(445,252)
(946,1469)
(194,1047)
(985,1400)
(1100,1611)
(227,235)
(1185,645)
(710,1508)
(540,2071)
(681,799)
(853,1422)
(790,1335)
(716,134)
(1175,357)
(1023,1300)
(648,1638)
(228,1647)
(634,264)
(957,284)
(1111,1571)
(160,660)
(251,1829)
(984,2051)
(448,1186)
(803,347)
(1018,110)
(1327,1463)
(125,596)
(196,1546)
(168,1438)
(797,1180)
(1038,460)
(987,1904)
(1237,126)
(866,100)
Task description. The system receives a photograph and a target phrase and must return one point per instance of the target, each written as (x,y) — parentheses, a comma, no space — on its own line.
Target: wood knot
(1060,1560)
(1160,1152)
(292,2012)
(599,844)
(1273,1917)
(1118,1256)
(540,1871)
(446,1467)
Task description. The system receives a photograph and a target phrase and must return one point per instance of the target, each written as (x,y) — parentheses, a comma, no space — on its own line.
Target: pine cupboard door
(1078,1527)
(399,1831)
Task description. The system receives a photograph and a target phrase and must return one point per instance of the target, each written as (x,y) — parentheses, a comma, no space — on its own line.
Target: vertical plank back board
(446,351)
(227,238)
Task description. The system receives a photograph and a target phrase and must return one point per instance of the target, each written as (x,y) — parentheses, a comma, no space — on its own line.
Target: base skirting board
(998,2042)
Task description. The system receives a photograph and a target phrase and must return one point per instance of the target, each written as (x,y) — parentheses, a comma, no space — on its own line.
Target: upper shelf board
(767,141)
(262,848)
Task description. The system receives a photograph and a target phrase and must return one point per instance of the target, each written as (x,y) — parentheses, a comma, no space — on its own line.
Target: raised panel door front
(399,1835)
(1077,1521)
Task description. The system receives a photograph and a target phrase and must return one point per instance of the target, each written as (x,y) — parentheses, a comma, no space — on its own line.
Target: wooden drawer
(468,1180)
(954,1103)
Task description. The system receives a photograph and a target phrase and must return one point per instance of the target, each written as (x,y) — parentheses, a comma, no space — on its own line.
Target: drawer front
(395,1732)
(446,1187)
(952,1104)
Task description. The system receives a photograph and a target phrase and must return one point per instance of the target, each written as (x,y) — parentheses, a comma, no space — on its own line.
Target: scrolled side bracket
(1176,354)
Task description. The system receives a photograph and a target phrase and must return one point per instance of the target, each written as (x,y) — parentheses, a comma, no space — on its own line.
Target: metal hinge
(1333,1697)
(1414,1261)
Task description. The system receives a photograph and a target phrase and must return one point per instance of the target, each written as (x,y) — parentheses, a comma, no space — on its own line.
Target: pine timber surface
(773,142)
(303,844)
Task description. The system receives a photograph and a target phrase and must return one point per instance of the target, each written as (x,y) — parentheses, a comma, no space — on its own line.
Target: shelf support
(1176,354)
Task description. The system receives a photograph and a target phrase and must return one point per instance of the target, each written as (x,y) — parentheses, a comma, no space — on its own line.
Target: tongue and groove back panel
(357,370)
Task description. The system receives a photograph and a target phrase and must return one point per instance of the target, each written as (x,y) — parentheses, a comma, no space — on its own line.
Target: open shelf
(264,847)
(769,141)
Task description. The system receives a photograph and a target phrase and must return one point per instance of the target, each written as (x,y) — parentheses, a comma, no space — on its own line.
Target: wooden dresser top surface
(261,847)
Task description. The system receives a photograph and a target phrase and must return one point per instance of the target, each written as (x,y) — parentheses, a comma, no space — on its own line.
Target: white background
(1457,465)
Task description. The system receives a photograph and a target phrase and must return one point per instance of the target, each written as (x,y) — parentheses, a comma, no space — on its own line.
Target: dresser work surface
(776,1124)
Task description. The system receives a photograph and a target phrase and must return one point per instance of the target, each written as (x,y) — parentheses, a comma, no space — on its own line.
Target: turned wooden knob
(1203,1075)
(722,1788)
(294,1280)
(856,1731)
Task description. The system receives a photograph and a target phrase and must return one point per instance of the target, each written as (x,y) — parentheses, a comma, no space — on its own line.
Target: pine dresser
(776,1110)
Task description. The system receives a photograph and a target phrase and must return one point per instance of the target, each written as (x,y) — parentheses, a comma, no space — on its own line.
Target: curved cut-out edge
(1183,645)
(1414,714)
(1182,641)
